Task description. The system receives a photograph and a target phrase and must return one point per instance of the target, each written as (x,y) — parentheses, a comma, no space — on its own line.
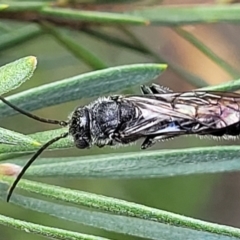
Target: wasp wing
(193,112)
(215,110)
(154,116)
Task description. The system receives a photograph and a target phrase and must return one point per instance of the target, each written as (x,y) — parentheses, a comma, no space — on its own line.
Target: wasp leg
(148,142)
(103,144)
(145,89)
(154,89)
(100,145)
(114,97)
(157,89)
(151,140)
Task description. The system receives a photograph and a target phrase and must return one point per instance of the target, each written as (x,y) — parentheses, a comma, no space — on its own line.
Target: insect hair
(41,149)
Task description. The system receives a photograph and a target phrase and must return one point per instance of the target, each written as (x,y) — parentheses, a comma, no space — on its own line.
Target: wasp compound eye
(79,128)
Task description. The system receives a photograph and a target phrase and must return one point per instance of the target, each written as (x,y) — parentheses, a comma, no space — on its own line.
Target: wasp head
(79,127)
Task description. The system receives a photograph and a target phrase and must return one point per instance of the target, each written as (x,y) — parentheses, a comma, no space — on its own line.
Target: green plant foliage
(86,85)
(75,26)
(128,165)
(121,207)
(14,74)
(48,232)
(200,14)
(16,139)
(115,223)
(147,164)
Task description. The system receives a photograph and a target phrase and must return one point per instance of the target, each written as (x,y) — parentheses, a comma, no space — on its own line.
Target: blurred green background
(209,197)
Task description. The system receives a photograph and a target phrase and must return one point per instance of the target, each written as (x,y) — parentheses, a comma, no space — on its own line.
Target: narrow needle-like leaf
(12,75)
(81,52)
(122,207)
(14,138)
(49,232)
(207,51)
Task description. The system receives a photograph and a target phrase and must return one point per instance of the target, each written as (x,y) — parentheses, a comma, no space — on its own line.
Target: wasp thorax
(79,128)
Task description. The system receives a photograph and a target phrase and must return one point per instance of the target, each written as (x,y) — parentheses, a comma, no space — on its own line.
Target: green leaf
(3,6)
(139,164)
(5,156)
(14,138)
(120,224)
(165,15)
(74,47)
(122,207)
(49,232)
(86,85)
(227,87)
(188,76)
(93,16)
(41,137)
(103,35)
(17,36)
(24,6)
(207,51)
(14,74)
(4,28)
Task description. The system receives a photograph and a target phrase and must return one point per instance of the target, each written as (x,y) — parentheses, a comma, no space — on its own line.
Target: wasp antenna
(30,115)
(32,159)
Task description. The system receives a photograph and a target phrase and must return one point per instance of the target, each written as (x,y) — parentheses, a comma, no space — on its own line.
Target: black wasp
(156,115)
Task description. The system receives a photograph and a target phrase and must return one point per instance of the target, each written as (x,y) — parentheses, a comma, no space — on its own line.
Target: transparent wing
(215,110)
(154,117)
(194,112)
